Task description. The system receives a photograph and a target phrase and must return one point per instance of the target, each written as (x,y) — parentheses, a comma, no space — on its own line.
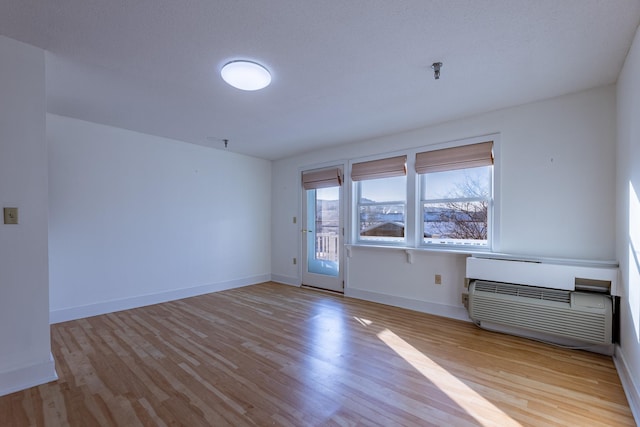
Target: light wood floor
(272,354)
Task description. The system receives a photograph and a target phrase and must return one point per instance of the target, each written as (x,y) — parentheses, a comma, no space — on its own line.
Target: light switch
(10,215)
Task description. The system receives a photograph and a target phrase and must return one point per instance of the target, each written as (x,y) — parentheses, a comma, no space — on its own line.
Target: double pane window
(454,198)
(456,195)
(381,188)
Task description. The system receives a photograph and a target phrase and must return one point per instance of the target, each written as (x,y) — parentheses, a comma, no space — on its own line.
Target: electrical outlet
(295,261)
(10,215)
(295,219)
(465,301)
(438,279)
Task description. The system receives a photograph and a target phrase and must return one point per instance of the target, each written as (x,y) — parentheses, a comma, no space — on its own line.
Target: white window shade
(321,178)
(463,157)
(383,168)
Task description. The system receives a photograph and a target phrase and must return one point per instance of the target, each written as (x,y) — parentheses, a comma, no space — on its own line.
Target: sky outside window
(384,189)
(457,183)
(329,193)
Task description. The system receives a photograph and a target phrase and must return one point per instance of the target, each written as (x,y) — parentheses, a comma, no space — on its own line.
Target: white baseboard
(287,280)
(28,376)
(73,313)
(442,310)
(629,385)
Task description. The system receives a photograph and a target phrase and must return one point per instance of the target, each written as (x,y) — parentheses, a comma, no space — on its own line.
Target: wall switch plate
(10,215)
(438,279)
(465,301)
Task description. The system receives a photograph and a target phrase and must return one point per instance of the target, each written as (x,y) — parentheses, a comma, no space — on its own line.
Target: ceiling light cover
(246,75)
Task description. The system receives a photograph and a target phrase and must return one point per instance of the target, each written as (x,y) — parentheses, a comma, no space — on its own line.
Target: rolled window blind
(383,168)
(465,156)
(321,178)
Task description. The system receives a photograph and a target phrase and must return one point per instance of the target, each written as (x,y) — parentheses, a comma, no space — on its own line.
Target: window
(381,192)
(456,195)
(450,206)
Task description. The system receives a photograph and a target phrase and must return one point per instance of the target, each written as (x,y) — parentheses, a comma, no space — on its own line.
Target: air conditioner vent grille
(524,291)
(582,326)
(582,316)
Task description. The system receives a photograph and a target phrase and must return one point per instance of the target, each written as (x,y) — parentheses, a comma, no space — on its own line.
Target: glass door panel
(322,238)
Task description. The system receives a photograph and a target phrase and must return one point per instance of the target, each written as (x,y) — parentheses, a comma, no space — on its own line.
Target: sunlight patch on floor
(363,322)
(484,412)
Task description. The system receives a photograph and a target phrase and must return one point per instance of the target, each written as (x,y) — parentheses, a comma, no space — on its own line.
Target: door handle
(306,231)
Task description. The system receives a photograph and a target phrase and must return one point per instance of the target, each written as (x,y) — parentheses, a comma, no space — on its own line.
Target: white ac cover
(582,316)
(544,273)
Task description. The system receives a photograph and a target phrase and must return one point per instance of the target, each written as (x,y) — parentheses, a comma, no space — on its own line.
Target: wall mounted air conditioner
(582,316)
(569,302)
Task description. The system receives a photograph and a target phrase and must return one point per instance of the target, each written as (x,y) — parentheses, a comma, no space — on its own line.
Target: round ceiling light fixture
(246,75)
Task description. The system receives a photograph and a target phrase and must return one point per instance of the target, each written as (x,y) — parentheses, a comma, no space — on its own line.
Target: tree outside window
(456,206)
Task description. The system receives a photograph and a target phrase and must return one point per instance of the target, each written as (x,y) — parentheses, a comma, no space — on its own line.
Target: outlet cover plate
(10,215)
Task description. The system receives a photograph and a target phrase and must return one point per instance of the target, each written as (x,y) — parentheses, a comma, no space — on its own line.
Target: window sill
(439,249)
(487,254)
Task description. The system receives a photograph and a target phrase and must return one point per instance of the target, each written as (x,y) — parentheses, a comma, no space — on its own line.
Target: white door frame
(333,283)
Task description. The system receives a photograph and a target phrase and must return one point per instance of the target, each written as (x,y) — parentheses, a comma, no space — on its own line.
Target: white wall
(557,161)
(628,223)
(24,289)
(137,219)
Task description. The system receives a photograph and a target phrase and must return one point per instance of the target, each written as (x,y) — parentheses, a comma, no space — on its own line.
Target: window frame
(491,205)
(356,196)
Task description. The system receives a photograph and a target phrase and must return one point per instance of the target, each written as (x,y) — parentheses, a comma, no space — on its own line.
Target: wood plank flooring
(272,354)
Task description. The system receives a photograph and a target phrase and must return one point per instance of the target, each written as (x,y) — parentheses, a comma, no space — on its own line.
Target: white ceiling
(343,70)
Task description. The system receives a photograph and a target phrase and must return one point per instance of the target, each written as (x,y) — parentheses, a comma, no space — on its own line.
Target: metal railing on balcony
(327,246)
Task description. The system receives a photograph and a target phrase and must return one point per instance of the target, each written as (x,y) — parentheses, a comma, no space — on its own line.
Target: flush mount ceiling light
(246,75)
